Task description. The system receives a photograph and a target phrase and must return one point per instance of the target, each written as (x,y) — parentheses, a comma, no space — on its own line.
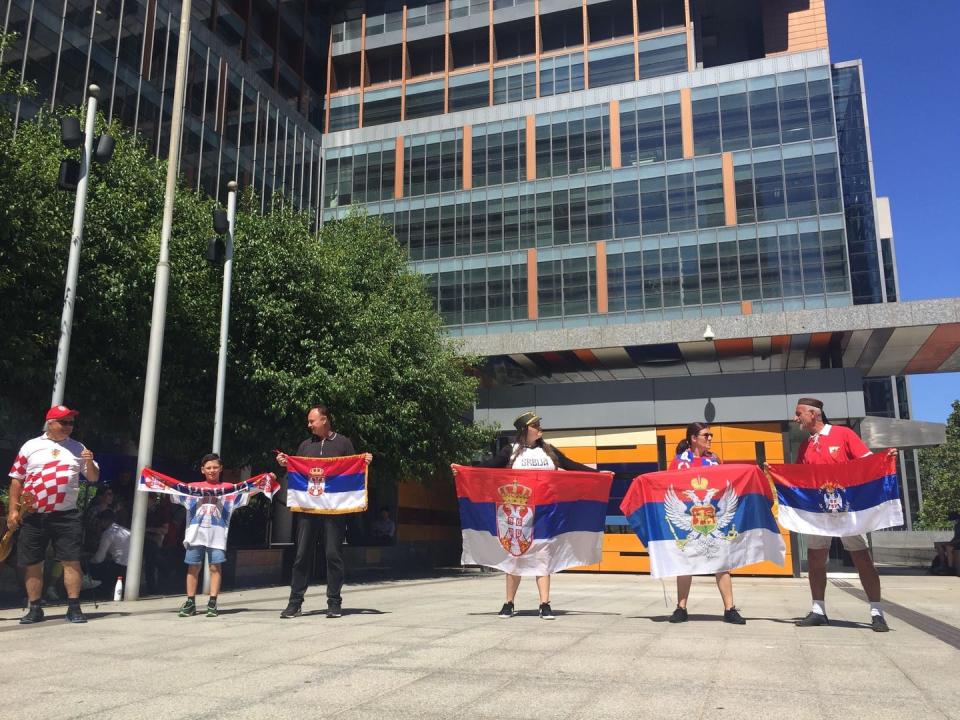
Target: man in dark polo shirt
(323,442)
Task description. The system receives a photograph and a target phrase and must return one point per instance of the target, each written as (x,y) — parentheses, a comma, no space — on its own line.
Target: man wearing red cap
(49,468)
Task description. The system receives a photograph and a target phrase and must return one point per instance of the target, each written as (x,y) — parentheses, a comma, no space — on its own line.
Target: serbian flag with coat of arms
(704,519)
(838,500)
(152,481)
(531,522)
(327,486)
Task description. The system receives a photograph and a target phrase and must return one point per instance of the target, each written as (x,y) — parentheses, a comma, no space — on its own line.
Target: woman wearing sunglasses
(694,451)
(529,451)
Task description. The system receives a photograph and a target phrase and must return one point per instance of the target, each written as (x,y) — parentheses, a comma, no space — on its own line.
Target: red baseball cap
(59,412)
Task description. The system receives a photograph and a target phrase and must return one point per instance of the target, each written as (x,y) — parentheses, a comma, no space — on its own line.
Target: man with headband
(832,445)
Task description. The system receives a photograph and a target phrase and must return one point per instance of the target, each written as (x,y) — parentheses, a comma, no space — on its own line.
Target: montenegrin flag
(531,522)
(704,519)
(152,481)
(327,486)
(836,500)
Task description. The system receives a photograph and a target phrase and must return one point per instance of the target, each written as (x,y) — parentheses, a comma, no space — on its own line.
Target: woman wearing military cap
(529,451)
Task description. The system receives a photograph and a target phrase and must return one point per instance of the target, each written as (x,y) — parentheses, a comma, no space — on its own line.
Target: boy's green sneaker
(212,610)
(188,609)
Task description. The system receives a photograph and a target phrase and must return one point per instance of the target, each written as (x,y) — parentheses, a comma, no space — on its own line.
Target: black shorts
(37,530)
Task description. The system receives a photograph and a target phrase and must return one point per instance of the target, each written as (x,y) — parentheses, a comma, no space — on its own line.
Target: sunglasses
(67,422)
(706,436)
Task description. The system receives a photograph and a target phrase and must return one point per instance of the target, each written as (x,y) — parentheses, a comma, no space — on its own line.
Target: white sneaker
(88,583)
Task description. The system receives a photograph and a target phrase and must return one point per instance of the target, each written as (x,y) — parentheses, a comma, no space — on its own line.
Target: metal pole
(225,316)
(224,334)
(76,238)
(148,420)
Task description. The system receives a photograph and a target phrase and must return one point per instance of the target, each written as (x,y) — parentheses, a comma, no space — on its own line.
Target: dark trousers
(308,530)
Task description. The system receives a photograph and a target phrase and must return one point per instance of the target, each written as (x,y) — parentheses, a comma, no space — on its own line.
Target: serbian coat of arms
(707,525)
(515,518)
(316,482)
(832,498)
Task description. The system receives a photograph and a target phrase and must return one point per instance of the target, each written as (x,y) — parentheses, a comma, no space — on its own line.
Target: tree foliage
(338,319)
(940,477)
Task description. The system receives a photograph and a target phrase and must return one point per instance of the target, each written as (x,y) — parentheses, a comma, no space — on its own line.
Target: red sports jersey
(833,445)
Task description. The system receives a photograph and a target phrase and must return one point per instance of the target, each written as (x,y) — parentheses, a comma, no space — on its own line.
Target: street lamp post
(148,419)
(224,335)
(76,238)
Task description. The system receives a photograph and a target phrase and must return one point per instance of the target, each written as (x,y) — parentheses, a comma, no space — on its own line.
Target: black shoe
(188,609)
(733,617)
(34,615)
(506,611)
(75,614)
(877,622)
(334,610)
(291,610)
(812,620)
(546,613)
(679,615)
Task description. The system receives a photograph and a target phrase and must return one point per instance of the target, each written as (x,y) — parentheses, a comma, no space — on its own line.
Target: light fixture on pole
(148,418)
(223,224)
(74,175)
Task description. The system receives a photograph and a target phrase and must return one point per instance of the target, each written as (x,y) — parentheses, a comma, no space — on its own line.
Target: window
(424,99)
(381,106)
(561,74)
(626,210)
(653,15)
(828,182)
(734,118)
(344,112)
(764,120)
(469,91)
(653,204)
(680,201)
(661,56)
(550,288)
(611,65)
(706,121)
(801,193)
(710,208)
(768,186)
(794,116)
(514,82)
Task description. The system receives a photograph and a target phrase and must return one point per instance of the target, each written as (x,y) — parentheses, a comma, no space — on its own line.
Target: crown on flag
(699,483)
(515,493)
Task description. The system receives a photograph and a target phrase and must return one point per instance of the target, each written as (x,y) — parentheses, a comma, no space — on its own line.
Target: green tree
(339,319)
(940,477)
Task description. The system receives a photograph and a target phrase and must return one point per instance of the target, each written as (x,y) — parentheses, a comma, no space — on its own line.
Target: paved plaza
(426,649)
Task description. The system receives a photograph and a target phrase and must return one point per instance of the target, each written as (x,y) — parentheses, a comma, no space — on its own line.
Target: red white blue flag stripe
(837,500)
(531,522)
(704,519)
(327,486)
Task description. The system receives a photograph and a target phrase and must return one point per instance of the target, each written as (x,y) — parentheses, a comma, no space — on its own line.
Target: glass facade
(676,241)
(252,113)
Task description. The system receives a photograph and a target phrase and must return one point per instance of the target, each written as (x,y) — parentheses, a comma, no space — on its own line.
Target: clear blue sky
(913,104)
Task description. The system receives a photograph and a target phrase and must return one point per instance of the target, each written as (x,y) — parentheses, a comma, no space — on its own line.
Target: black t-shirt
(335,445)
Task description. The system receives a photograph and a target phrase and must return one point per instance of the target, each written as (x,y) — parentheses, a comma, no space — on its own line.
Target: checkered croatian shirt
(51,471)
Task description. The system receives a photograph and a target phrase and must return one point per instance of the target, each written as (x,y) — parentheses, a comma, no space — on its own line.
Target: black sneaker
(733,617)
(291,610)
(34,615)
(212,609)
(506,611)
(334,610)
(188,609)
(877,622)
(75,614)
(813,619)
(679,615)
(546,613)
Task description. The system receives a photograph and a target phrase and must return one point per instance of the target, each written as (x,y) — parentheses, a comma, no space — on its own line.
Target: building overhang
(903,338)
(880,432)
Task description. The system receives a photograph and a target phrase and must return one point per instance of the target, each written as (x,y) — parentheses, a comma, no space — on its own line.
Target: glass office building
(254,98)
(557,167)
